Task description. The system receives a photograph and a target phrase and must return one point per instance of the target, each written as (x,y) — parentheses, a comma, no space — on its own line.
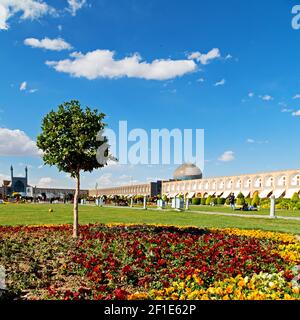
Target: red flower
(120,294)
(126,269)
(161,262)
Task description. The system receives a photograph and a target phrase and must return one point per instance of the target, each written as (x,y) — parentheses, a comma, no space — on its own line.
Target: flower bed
(148,262)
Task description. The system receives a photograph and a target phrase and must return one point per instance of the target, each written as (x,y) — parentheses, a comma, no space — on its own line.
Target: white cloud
(228,57)
(257,142)
(59,27)
(297,96)
(3,177)
(200,80)
(17,143)
(296,113)
(205,58)
(102,64)
(227,156)
(29,9)
(45,182)
(251,94)
(57,44)
(286,110)
(267,97)
(105,180)
(33,90)
(75,5)
(23,86)
(220,83)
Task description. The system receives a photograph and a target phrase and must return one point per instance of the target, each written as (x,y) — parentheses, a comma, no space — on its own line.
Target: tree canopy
(69,138)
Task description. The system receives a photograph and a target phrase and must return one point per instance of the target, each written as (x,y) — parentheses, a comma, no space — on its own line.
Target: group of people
(245,206)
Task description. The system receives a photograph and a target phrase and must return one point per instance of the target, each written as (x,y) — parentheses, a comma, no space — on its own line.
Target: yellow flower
(229,289)
(296,290)
(174,296)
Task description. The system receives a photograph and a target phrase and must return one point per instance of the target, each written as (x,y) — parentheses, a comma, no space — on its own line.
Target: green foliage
(215,200)
(208,200)
(221,201)
(227,202)
(196,201)
(240,199)
(295,197)
(203,201)
(256,200)
(69,138)
(165,198)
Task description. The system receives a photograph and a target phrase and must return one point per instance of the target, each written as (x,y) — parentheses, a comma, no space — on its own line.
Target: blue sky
(250,119)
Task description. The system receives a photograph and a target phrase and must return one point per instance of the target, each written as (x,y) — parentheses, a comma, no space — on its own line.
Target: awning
(236,192)
(290,192)
(190,195)
(278,193)
(211,193)
(246,193)
(219,193)
(226,194)
(173,195)
(265,193)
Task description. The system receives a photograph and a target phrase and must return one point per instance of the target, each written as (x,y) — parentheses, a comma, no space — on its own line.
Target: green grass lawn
(32,214)
(227,209)
(263,212)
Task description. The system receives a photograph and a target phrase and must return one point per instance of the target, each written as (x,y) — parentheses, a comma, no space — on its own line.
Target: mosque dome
(187,171)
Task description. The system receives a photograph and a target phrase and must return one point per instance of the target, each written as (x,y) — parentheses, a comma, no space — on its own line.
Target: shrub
(215,200)
(256,200)
(203,201)
(295,197)
(240,199)
(208,200)
(297,206)
(196,201)
(221,201)
(227,202)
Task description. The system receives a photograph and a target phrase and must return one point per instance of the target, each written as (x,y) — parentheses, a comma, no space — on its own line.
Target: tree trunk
(75,211)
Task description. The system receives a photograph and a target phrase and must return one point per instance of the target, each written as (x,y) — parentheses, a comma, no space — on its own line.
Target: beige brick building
(188,182)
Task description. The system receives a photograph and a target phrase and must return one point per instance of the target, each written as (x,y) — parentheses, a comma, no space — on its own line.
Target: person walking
(232,201)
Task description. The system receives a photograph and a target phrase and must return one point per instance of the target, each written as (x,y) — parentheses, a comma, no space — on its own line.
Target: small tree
(240,199)
(70,141)
(208,200)
(295,197)
(256,200)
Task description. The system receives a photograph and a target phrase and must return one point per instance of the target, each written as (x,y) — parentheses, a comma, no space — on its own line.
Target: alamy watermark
(296,18)
(153,147)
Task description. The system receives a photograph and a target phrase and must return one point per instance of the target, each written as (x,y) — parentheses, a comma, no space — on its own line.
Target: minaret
(26,175)
(11,173)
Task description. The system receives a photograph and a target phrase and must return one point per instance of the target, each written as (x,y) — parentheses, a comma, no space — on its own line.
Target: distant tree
(240,199)
(295,197)
(208,200)
(255,200)
(70,140)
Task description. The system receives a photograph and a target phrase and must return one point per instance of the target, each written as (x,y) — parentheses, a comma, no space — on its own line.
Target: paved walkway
(254,216)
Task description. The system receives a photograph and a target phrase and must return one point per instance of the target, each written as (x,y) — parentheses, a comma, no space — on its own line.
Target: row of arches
(270,181)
